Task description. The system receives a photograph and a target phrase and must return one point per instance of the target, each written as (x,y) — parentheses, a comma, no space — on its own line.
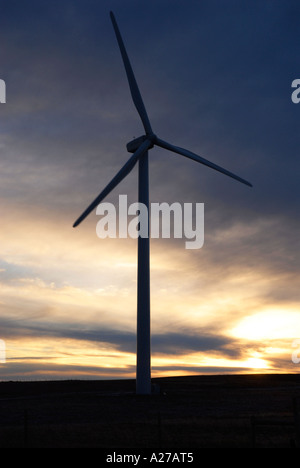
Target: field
(241,411)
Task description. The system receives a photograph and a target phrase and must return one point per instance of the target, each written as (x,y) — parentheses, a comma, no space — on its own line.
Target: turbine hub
(133,145)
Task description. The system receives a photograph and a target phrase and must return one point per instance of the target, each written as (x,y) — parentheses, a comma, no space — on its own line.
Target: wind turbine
(139,147)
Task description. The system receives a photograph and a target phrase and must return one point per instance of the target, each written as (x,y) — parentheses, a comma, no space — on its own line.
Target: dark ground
(242,411)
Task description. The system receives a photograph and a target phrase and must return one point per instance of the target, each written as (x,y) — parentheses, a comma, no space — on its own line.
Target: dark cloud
(189,341)
(171,343)
(33,370)
(216,78)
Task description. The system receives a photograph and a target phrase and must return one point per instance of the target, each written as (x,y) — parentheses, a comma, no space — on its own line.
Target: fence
(290,425)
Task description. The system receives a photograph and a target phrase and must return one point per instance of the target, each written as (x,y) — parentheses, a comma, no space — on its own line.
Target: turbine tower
(139,147)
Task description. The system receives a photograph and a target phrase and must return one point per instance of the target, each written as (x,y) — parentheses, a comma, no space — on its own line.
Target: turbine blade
(195,157)
(123,172)
(135,92)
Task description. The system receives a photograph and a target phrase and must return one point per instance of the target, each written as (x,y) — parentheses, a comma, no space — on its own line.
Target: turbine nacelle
(134,145)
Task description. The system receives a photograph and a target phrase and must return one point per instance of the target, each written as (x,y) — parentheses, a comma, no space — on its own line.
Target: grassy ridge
(233,411)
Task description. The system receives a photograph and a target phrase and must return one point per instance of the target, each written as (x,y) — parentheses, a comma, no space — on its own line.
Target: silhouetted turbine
(139,147)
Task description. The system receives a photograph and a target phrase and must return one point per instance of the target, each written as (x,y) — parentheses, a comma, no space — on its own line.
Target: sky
(216,79)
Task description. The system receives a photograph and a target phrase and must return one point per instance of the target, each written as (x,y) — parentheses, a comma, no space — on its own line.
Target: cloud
(172,342)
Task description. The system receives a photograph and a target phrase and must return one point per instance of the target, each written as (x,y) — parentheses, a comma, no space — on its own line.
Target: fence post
(159,430)
(296,421)
(253,438)
(25,428)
